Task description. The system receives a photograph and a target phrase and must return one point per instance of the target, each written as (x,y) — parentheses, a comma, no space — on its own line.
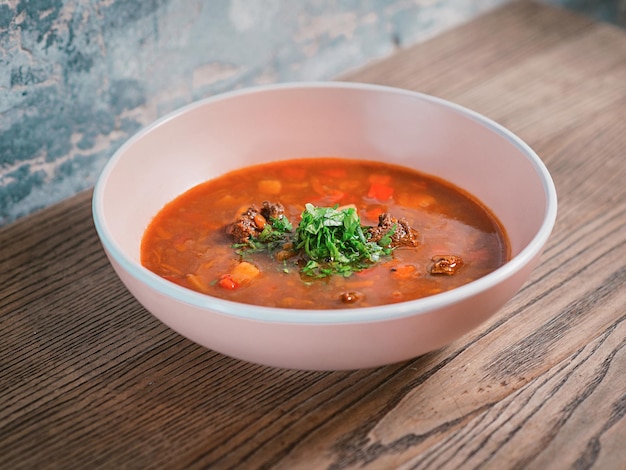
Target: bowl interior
(211,137)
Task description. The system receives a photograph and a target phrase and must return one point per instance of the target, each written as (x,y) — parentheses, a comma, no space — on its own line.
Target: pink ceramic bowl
(237,129)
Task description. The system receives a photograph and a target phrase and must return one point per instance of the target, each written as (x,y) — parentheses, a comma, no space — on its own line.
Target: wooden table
(89,379)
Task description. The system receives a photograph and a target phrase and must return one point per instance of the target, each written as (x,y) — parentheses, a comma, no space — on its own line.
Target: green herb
(328,241)
(333,242)
(276,230)
(281,224)
(273,236)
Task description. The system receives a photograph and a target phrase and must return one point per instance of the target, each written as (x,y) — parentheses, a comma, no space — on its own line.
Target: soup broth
(455,238)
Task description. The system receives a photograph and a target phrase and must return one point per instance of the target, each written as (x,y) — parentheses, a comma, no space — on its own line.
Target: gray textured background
(78,77)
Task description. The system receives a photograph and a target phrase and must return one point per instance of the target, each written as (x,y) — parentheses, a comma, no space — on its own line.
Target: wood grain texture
(88,379)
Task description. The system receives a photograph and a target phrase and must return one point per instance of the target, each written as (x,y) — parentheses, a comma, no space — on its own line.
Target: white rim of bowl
(336,316)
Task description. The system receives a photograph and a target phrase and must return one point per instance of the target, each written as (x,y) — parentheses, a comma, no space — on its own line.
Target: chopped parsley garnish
(333,242)
(276,230)
(327,241)
(273,236)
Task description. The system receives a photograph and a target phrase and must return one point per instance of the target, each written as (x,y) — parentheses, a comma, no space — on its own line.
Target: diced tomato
(380,191)
(227,282)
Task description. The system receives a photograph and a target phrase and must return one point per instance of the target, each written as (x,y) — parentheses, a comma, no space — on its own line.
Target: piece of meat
(272,210)
(251,222)
(245,226)
(403,234)
(446,264)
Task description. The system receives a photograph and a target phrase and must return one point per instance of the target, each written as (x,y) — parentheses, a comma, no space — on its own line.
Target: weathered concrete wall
(78,77)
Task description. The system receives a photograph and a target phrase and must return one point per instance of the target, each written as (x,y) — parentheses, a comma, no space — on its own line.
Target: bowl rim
(334,316)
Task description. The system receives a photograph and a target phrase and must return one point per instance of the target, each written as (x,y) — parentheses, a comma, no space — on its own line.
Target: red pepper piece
(380,191)
(227,282)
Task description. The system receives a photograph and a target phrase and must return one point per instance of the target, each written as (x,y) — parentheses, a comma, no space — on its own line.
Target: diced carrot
(259,221)
(380,191)
(273,187)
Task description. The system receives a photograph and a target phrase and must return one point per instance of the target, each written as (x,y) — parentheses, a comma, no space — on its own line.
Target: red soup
(323,233)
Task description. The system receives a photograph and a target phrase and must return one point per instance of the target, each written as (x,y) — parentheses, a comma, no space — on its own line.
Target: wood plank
(89,379)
